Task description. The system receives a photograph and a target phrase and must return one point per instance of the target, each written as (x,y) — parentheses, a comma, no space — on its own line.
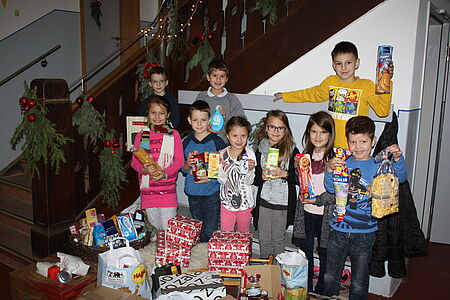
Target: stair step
(15,235)
(16,207)
(17,186)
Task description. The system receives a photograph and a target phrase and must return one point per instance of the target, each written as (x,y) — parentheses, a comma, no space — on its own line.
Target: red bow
(149,65)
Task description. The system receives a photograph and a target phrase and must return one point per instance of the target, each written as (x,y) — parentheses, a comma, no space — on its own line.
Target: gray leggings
(271,231)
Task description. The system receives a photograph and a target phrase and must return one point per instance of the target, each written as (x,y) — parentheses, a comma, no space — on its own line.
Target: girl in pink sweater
(162,143)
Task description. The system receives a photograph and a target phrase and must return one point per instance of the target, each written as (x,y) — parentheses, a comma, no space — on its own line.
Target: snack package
(244,162)
(384,187)
(99,235)
(305,177)
(199,168)
(213,164)
(340,183)
(144,158)
(272,160)
(127,227)
(91,216)
(111,233)
(384,62)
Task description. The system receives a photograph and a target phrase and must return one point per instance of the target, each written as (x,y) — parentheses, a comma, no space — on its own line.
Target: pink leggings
(228,219)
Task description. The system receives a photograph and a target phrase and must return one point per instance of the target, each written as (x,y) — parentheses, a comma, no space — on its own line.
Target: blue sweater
(211,143)
(359,219)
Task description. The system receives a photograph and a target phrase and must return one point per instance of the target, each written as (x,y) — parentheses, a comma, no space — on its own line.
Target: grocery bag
(294,274)
(384,187)
(124,269)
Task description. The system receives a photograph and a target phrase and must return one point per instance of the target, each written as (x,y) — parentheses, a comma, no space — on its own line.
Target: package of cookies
(384,63)
(384,187)
(305,177)
(199,167)
(213,164)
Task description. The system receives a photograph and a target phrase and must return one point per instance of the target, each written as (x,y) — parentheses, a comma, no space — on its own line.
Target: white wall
(148,10)
(29,11)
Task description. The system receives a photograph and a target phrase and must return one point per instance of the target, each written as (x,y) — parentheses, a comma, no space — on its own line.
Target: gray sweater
(229,102)
(325,199)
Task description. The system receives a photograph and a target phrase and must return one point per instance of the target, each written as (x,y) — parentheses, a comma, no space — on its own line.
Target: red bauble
(32,103)
(98,3)
(79,100)
(202,37)
(116,145)
(91,99)
(209,36)
(108,143)
(23,101)
(31,118)
(167,21)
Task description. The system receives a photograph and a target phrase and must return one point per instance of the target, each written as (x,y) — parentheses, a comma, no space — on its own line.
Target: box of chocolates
(171,253)
(183,231)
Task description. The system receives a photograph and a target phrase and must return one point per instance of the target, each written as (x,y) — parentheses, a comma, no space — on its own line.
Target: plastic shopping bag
(294,274)
(124,269)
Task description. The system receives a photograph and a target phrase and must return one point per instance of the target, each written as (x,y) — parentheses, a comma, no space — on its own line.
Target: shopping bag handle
(127,243)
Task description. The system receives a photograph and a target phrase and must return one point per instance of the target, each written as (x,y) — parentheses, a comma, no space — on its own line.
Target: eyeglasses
(275,128)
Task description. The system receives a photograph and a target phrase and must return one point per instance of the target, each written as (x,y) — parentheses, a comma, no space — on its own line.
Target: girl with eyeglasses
(276,197)
(313,216)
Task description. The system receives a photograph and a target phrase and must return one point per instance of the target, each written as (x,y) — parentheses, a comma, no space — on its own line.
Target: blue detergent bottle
(217,120)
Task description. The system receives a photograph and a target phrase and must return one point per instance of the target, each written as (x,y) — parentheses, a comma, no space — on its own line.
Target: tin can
(64,276)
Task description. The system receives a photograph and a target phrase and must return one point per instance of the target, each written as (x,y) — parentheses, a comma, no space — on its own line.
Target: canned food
(64,276)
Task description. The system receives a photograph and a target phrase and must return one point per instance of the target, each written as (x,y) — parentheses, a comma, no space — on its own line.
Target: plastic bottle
(217,120)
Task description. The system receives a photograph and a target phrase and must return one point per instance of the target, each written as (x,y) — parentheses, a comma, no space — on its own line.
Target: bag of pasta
(384,187)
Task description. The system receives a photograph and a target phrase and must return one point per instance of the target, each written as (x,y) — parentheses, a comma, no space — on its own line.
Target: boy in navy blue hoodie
(203,195)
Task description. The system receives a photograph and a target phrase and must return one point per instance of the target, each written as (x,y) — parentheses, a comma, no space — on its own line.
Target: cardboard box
(270,278)
(183,231)
(103,292)
(27,284)
(167,253)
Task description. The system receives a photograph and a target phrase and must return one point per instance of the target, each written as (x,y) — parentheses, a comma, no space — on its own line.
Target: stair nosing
(16,217)
(19,186)
(16,255)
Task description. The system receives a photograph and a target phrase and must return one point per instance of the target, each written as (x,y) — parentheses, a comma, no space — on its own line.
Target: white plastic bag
(124,269)
(294,274)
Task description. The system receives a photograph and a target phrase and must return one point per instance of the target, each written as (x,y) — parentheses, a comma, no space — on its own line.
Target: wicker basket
(91,252)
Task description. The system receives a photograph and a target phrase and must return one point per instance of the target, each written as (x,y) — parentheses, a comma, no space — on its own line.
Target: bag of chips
(384,187)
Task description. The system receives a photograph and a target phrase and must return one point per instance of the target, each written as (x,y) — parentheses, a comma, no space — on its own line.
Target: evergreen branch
(205,54)
(90,123)
(145,89)
(176,41)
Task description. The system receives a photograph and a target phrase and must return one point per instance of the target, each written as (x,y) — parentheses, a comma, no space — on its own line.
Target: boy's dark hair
(160,100)
(157,70)
(218,64)
(344,47)
(238,121)
(360,124)
(200,105)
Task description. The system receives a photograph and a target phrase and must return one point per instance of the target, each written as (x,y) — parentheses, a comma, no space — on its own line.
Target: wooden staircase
(255,53)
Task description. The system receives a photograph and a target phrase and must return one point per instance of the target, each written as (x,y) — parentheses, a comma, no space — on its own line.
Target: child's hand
(278,96)
(278,172)
(203,179)
(309,201)
(190,161)
(158,176)
(210,130)
(222,111)
(265,172)
(251,164)
(334,163)
(146,169)
(396,152)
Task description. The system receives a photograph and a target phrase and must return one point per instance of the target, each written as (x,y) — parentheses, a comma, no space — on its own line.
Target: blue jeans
(207,210)
(313,229)
(359,247)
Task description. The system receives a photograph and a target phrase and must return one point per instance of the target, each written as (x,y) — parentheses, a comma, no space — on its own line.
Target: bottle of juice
(217,120)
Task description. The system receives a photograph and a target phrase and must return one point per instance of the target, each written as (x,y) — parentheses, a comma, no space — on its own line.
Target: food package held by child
(384,62)
(213,164)
(199,167)
(305,177)
(144,158)
(340,183)
(272,161)
(384,187)
(244,162)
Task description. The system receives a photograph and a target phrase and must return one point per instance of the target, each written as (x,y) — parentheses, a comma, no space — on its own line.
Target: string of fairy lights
(147,31)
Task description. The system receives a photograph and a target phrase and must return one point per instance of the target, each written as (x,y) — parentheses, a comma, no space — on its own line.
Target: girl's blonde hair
(286,145)
(325,121)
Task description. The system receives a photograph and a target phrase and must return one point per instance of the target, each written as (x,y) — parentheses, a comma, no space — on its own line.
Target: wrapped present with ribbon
(183,231)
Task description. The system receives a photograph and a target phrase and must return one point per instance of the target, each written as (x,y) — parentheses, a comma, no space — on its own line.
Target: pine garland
(96,12)
(268,8)
(112,173)
(90,123)
(205,54)
(257,133)
(42,142)
(145,89)
(176,39)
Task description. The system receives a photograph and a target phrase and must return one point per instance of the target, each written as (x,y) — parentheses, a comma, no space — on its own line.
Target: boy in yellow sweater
(348,95)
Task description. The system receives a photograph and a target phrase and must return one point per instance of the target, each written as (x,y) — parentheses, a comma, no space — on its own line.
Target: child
(203,195)
(348,95)
(313,216)
(217,94)
(158,82)
(354,236)
(236,193)
(277,196)
(163,144)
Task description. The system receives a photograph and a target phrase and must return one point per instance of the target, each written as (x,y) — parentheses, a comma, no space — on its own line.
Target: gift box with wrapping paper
(229,252)
(183,231)
(167,253)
